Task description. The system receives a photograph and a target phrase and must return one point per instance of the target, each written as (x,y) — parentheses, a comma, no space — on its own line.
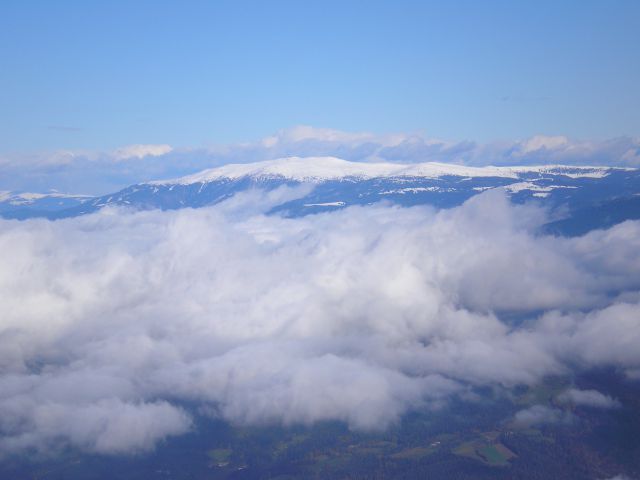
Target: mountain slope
(22,205)
(338,184)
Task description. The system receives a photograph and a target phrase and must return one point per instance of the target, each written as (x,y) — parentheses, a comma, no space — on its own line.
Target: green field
(489,453)
(414,453)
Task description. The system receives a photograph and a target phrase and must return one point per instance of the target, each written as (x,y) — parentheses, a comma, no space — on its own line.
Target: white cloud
(587,398)
(357,315)
(141,151)
(540,142)
(541,415)
(305,132)
(107,425)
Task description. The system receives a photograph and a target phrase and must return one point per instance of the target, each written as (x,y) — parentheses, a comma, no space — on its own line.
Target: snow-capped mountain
(323,169)
(335,183)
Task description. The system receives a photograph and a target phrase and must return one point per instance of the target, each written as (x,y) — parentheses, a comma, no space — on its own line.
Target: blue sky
(98,75)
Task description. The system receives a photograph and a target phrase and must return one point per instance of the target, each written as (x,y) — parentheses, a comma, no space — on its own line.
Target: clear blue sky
(96,75)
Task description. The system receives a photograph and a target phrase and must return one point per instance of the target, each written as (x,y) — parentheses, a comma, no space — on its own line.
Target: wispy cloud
(141,151)
(64,128)
(104,172)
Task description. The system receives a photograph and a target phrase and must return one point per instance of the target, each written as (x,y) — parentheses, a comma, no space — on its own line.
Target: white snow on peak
(319,169)
(26,198)
(326,204)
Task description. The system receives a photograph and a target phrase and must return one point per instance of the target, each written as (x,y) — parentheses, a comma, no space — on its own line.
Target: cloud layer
(101,173)
(110,322)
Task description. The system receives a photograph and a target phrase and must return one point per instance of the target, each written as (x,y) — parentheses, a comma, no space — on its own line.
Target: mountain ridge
(581,198)
(333,168)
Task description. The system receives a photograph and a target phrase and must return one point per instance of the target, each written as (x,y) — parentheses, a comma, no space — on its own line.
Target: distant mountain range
(23,205)
(588,197)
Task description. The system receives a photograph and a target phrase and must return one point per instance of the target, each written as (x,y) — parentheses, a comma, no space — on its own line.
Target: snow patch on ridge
(520,186)
(320,169)
(27,198)
(326,204)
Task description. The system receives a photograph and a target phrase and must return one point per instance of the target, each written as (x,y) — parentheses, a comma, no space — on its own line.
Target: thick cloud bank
(110,322)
